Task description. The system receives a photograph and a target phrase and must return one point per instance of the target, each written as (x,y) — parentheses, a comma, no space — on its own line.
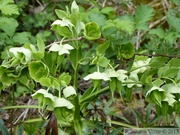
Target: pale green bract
(26,52)
(119,74)
(68,91)
(154,88)
(61,49)
(44,93)
(61,102)
(97,76)
(170,98)
(141,65)
(132,80)
(74,7)
(63,22)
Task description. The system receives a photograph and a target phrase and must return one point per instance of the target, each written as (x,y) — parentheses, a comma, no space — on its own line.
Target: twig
(137,43)
(24,114)
(65,41)
(157,55)
(103,4)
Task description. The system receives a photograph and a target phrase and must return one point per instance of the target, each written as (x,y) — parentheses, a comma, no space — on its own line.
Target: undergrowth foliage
(99,48)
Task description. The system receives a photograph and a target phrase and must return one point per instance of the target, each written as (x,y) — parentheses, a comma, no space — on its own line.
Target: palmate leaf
(173,21)
(121,24)
(143,14)
(8,25)
(8,7)
(22,37)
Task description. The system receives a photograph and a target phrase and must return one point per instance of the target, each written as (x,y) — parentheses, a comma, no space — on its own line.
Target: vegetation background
(117,65)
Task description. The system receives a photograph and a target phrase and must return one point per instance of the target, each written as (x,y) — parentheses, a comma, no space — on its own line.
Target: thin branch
(24,114)
(157,55)
(137,43)
(103,4)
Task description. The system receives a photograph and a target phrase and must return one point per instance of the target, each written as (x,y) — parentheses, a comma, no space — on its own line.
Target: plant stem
(94,94)
(120,123)
(20,107)
(76,99)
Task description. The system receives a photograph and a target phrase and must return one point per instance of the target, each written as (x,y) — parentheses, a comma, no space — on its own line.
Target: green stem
(76,99)
(94,94)
(33,120)
(120,124)
(138,68)
(20,107)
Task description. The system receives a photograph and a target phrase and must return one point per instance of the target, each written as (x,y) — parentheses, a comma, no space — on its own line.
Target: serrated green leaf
(171,36)
(110,11)
(120,24)
(8,25)
(158,32)
(9,9)
(5,2)
(22,37)
(173,21)
(97,17)
(143,14)
(125,25)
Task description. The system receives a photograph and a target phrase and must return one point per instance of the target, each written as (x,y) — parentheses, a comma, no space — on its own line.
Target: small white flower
(63,22)
(61,49)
